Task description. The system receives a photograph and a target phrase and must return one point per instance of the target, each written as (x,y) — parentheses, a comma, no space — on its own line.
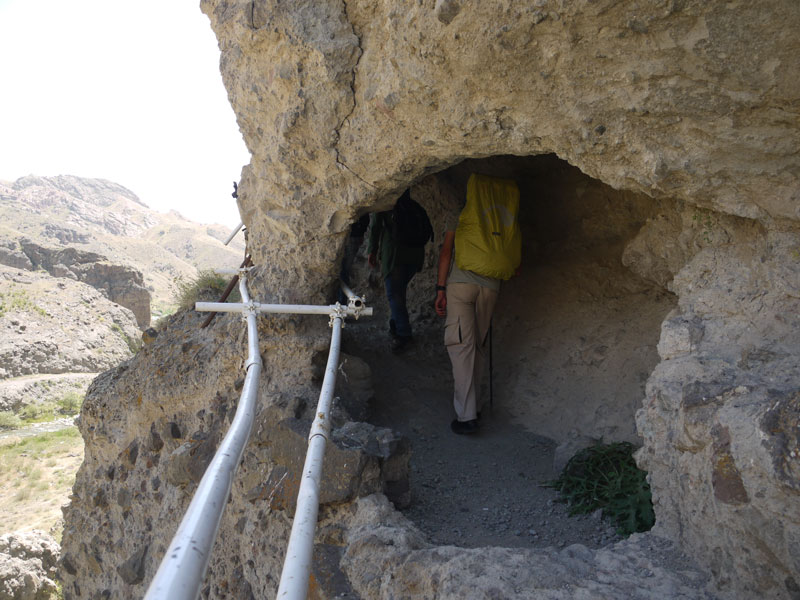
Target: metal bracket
(356,304)
(249,308)
(337,311)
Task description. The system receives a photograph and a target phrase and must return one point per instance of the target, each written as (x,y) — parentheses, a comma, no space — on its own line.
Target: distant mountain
(102,217)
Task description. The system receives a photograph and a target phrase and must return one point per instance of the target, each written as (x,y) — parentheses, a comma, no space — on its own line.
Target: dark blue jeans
(396,284)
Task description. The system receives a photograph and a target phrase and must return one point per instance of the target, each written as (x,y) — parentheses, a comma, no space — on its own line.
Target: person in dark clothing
(397,240)
(354,241)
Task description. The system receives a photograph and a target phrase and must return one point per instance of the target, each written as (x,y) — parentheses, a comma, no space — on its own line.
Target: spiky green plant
(605,476)
(207,286)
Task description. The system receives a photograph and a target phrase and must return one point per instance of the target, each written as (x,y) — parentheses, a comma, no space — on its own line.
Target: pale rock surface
(146,461)
(73,217)
(387,557)
(343,106)
(80,199)
(121,284)
(720,418)
(28,566)
(57,325)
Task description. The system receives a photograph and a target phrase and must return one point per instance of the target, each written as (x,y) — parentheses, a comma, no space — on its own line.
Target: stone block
(360,459)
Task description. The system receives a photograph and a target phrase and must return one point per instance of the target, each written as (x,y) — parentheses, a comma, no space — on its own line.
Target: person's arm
(445,256)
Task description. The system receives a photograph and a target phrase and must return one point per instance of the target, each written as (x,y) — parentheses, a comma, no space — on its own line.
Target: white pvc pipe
(299,309)
(181,572)
(233,233)
(253,352)
(353,299)
(347,291)
(297,564)
(183,567)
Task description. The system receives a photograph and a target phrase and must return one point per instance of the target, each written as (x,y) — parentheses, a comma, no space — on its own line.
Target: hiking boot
(401,343)
(464,427)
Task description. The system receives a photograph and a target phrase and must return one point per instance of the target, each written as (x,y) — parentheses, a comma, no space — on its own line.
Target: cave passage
(574,340)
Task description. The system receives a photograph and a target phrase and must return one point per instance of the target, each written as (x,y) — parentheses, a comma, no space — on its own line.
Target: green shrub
(70,404)
(38,412)
(206,287)
(8,420)
(17,300)
(160,310)
(43,445)
(606,477)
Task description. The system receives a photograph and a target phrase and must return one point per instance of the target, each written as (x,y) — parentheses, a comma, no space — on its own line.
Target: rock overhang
(687,102)
(343,105)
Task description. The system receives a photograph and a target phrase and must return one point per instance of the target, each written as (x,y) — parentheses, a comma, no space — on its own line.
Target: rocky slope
(101,217)
(56,325)
(684,115)
(28,566)
(78,259)
(120,284)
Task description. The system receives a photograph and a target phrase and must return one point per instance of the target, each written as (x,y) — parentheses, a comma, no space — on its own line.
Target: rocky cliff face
(67,219)
(57,325)
(120,284)
(682,119)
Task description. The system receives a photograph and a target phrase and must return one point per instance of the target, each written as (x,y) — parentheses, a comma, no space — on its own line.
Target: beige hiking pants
(466,329)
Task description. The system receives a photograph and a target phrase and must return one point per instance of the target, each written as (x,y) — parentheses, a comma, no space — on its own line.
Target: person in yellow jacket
(466,298)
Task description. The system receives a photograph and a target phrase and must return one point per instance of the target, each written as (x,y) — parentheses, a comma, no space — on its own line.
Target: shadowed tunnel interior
(574,340)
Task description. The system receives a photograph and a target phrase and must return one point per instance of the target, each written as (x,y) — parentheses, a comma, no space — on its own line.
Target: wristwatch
(441,288)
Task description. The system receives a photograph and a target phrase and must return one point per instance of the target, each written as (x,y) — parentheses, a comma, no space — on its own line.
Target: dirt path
(25,379)
(471,491)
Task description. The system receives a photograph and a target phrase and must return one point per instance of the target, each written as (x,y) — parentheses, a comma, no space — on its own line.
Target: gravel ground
(486,490)
(471,491)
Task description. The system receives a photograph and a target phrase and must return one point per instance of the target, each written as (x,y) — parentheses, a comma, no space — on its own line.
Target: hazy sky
(123,90)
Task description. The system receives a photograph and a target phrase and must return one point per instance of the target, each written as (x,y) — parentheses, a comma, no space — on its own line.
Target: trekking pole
(491,394)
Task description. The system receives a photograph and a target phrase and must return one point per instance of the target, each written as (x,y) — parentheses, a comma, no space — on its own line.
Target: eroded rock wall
(721,416)
(684,101)
(152,426)
(345,104)
(121,284)
(51,325)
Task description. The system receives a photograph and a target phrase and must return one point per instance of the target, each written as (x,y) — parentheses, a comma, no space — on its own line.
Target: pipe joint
(320,426)
(337,312)
(356,304)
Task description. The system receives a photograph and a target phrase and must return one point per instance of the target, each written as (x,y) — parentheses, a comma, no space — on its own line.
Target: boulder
(28,565)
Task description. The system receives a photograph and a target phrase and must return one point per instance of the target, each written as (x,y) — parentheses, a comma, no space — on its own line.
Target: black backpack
(410,222)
